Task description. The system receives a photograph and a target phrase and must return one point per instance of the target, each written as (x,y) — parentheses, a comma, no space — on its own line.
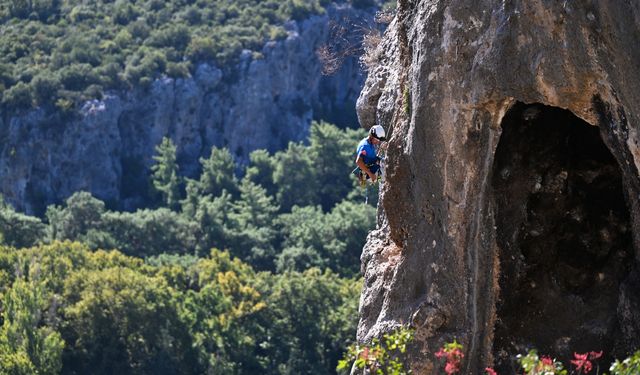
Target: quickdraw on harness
(377,168)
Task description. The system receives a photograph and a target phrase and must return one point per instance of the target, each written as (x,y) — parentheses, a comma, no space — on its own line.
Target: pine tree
(252,221)
(218,173)
(165,173)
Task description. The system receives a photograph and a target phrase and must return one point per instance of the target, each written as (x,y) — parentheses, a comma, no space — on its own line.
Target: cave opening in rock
(563,235)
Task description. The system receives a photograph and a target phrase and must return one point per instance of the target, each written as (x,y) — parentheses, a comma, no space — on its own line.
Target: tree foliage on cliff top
(60,52)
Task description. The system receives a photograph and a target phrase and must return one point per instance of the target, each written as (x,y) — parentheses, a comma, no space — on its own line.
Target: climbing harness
(363,177)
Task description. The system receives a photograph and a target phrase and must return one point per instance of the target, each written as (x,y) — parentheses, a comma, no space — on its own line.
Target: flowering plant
(536,365)
(629,366)
(583,361)
(453,353)
(381,357)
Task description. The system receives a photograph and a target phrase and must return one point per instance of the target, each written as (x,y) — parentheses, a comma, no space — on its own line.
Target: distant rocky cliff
(265,101)
(509,214)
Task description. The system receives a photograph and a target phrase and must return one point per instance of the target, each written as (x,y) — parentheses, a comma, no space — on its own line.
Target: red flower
(452,368)
(453,357)
(582,362)
(490,371)
(547,361)
(595,355)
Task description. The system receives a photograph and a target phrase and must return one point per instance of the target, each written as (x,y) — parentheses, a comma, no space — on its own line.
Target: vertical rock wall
(449,72)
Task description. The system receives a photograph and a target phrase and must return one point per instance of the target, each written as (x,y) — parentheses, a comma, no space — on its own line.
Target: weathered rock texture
(264,102)
(509,216)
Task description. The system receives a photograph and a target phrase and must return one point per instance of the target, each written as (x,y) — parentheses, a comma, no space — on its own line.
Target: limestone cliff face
(264,102)
(509,214)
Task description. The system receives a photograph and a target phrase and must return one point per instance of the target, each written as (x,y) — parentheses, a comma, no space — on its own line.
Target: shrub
(629,366)
(179,70)
(17,96)
(81,13)
(139,29)
(381,356)
(124,12)
(85,52)
(123,39)
(45,88)
(19,230)
(177,37)
(77,77)
(532,364)
(201,49)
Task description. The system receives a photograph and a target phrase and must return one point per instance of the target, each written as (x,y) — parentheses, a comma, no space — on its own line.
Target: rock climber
(367,159)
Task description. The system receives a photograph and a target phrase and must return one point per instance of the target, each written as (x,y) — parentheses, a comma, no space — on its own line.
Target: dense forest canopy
(292,210)
(67,309)
(280,298)
(58,53)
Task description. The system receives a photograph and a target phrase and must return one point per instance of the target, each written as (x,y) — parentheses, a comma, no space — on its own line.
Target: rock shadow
(564,237)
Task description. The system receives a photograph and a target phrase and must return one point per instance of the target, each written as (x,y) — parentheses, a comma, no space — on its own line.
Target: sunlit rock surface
(509,213)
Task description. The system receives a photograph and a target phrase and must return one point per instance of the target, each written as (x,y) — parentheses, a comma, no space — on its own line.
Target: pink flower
(453,357)
(452,368)
(595,355)
(582,362)
(490,371)
(547,361)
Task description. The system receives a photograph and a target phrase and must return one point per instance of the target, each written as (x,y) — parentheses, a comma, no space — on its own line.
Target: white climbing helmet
(378,132)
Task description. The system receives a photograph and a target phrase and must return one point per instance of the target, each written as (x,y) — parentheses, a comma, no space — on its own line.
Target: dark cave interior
(563,235)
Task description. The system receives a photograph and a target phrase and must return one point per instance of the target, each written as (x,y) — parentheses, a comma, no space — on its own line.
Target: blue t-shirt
(367,152)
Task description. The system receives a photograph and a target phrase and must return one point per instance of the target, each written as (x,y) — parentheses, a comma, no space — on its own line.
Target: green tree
(212,219)
(164,176)
(218,173)
(295,177)
(17,96)
(192,197)
(295,258)
(222,314)
(81,213)
(121,321)
(349,225)
(331,151)
(17,229)
(306,232)
(149,232)
(27,346)
(45,88)
(76,77)
(260,170)
(252,221)
(311,319)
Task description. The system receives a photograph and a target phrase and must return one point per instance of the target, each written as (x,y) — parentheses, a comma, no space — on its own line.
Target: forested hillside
(90,87)
(204,219)
(166,300)
(63,52)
